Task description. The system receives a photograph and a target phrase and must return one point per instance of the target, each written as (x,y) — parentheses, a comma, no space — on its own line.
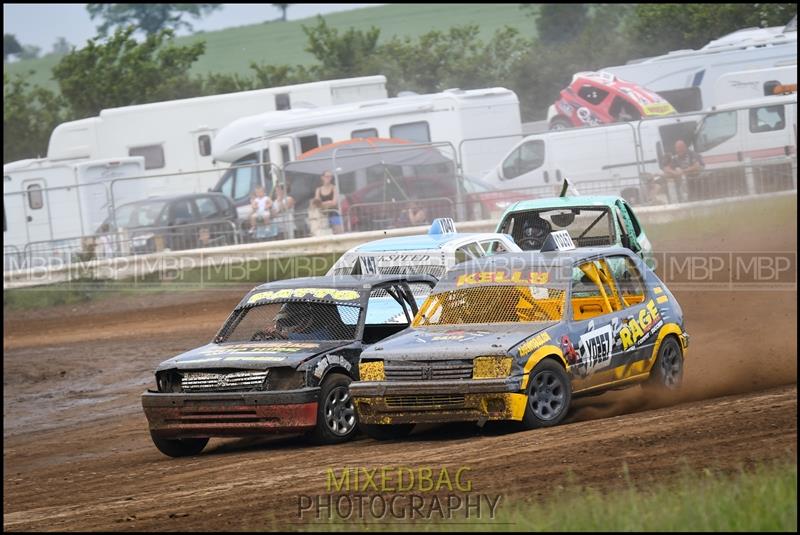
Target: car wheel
(179,447)
(667,372)
(549,395)
(336,413)
(560,123)
(388,431)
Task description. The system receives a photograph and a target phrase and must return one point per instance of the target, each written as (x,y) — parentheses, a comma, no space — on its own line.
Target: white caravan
(688,78)
(166,137)
(754,83)
(44,201)
(175,136)
(479,124)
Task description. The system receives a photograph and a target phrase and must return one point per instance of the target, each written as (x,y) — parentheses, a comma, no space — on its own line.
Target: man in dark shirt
(683,166)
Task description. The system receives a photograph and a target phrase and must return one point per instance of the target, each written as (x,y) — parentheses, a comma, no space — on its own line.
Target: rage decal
(637,330)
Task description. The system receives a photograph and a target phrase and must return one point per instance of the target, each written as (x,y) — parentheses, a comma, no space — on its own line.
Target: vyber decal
(595,348)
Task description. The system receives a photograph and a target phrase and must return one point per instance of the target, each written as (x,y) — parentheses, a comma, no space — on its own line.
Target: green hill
(232,50)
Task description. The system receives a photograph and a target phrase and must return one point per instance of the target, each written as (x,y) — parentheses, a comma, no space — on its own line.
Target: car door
(596,314)
(641,318)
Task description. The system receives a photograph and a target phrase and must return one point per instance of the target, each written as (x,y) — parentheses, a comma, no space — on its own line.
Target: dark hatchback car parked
(174,223)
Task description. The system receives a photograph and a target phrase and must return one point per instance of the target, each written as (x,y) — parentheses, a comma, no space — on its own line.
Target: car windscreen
(487,303)
(587,226)
(291,320)
(140,214)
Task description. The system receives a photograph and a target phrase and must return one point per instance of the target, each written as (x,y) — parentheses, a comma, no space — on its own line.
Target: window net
(292,320)
(492,304)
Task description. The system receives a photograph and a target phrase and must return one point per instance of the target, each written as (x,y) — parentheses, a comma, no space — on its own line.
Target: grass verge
(761,499)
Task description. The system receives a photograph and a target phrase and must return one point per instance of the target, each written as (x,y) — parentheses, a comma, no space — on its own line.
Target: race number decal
(595,348)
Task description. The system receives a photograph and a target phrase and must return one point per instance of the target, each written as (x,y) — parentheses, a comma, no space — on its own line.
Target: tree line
(117,70)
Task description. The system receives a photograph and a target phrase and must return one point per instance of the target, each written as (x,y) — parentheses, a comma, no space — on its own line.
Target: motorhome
(176,136)
(45,201)
(755,83)
(688,78)
(477,127)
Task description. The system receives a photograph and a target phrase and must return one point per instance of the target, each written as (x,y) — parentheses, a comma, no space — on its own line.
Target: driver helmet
(293,317)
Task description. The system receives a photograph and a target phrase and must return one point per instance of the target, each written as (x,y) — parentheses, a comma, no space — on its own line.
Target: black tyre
(667,372)
(560,123)
(549,395)
(179,447)
(387,432)
(336,413)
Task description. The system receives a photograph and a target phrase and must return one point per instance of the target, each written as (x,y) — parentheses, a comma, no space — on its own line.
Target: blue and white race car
(432,253)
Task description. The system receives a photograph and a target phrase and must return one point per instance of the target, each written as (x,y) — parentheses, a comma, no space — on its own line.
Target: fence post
(750,180)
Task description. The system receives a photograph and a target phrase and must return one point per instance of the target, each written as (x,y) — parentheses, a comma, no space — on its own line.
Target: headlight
(169,381)
(491,367)
(285,378)
(371,371)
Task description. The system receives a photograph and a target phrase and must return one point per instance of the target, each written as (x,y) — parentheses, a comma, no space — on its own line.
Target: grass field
(761,499)
(232,50)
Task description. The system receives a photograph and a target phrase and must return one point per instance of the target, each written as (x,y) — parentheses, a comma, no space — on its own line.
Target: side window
(622,110)
(629,281)
(418,132)
(767,119)
(525,158)
(469,251)
(593,291)
(207,208)
(366,132)
(592,94)
(204,145)
(383,308)
(181,213)
(494,247)
(636,227)
(245,178)
(224,206)
(35,198)
(153,155)
(308,143)
(716,129)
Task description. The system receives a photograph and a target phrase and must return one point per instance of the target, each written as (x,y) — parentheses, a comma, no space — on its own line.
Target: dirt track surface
(77,455)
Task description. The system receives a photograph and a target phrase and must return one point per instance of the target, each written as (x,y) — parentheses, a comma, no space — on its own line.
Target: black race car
(282,361)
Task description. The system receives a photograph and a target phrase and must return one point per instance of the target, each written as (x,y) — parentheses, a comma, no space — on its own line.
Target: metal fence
(125,242)
(386,187)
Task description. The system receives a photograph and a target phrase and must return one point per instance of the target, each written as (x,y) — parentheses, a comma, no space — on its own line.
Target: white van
(753,83)
(609,157)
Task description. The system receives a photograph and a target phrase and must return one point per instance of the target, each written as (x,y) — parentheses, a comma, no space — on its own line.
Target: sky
(42,24)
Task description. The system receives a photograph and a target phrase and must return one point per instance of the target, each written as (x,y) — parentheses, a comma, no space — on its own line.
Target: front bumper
(230,414)
(396,402)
